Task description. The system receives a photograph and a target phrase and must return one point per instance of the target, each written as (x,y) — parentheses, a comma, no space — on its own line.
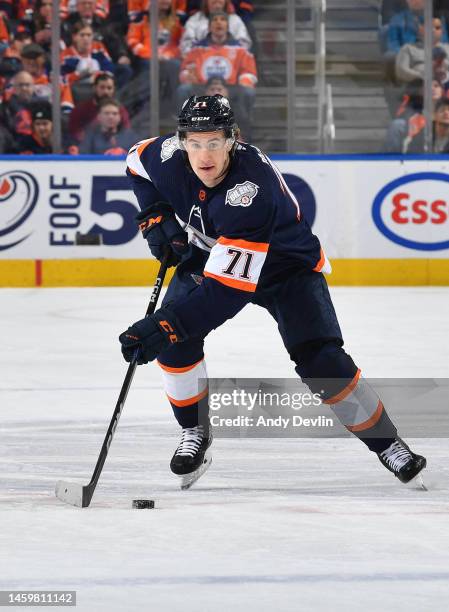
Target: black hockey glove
(151,335)
(159,226)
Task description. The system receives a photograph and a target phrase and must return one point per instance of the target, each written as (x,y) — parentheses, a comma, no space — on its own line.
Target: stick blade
(71,493)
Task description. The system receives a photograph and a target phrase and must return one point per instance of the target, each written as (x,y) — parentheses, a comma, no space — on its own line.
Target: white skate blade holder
(187,480)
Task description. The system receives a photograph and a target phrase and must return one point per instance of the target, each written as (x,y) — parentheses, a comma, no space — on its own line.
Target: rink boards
(381,220)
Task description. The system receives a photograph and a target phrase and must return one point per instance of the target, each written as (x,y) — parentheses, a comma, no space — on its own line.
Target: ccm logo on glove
(151,335)
(162,230)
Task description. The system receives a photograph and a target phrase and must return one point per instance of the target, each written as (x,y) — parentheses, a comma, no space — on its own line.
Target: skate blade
(417,483)
(187,480)
(420,482)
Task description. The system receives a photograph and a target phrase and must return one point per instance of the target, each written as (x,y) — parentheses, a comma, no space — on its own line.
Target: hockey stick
(81,495)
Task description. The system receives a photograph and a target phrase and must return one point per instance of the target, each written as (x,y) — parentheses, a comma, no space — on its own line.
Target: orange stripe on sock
(190,401)
(370,422)
(346,391)
(179,370)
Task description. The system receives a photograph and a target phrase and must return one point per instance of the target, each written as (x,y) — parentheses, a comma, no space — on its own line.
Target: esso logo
(18,196)
(413,211)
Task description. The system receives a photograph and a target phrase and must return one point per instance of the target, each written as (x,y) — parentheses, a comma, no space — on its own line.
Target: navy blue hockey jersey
(249,227)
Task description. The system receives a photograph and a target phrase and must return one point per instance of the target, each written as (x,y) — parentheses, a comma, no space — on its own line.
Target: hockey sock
(330,372)
(186,388)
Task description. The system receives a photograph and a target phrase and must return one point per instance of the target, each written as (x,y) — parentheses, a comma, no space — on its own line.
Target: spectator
(85,113)
(410,61)
(16,108)
(11,61)
(216,85)
(169,34)
(197,26)
(390,8)
(4,34)
(15,9)
(6,141)
(440,132)
(137,9)
(86,8)
(219,54)
(84,59)
(108,136)
(410,119)
(139,42)
(40,140)
(88,12)
(245,10)
(403,27)
(33,61)
(21,37)
(41,24)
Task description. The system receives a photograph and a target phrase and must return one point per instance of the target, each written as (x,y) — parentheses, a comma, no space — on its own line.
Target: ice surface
(274,525)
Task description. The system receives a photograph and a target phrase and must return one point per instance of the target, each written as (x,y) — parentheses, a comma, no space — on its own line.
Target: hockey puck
(143,503)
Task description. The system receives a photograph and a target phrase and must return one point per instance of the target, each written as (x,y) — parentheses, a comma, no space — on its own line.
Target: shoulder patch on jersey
(242,194)
(169,146)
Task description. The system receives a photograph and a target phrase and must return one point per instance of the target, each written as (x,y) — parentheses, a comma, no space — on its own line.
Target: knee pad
(324,367)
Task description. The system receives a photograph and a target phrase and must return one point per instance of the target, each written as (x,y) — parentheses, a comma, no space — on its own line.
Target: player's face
(208,155)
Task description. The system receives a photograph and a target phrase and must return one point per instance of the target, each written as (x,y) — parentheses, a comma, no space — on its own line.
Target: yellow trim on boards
(142,272)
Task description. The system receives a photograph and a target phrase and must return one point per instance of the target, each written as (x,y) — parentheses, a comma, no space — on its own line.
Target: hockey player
(250,243)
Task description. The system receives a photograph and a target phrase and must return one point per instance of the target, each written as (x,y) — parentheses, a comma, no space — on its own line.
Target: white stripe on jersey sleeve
(133,159)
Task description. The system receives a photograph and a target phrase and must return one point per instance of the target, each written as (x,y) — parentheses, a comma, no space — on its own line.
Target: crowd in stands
(204,46)
(402,40)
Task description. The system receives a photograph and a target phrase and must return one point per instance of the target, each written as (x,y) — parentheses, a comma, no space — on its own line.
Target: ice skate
(405,465)
(192,457)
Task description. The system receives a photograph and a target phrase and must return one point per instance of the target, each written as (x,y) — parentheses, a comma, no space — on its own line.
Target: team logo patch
(19,193)
(242,194)
(169,146)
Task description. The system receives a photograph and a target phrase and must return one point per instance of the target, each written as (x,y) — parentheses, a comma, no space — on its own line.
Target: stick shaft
(89,490)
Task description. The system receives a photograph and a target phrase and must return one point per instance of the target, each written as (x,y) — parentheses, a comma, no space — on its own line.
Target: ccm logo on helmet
(200,118)
(413,211)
